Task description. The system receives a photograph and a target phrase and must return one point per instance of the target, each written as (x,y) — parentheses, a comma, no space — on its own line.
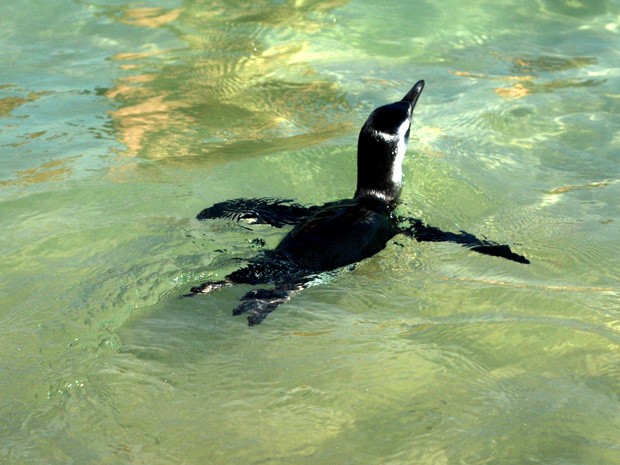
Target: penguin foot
(266,294)
(257,310)
(255,317)
(258,303)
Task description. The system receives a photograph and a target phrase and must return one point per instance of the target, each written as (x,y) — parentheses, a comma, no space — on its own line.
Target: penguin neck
(389,199)
(379,175)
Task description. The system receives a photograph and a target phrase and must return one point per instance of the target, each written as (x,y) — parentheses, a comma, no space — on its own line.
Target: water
(120,121)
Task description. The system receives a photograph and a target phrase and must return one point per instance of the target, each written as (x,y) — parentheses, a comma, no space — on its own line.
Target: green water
(120,121)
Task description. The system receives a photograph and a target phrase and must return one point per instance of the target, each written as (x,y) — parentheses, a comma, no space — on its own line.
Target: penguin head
(381,148)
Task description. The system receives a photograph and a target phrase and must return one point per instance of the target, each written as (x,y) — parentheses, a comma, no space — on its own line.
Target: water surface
(120,121)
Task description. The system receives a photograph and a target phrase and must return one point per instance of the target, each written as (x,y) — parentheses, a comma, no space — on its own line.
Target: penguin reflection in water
(340,233)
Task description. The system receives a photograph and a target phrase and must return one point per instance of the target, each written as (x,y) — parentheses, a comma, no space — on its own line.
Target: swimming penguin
(340,233)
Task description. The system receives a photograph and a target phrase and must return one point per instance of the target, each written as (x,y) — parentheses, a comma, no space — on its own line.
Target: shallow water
(120,121)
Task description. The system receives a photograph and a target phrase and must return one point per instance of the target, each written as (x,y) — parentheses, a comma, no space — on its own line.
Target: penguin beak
(412,96)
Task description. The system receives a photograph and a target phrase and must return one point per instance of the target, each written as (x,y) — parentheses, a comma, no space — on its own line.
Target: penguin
(337,234)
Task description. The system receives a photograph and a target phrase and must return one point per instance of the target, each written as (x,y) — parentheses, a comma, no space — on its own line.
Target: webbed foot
(257,310)
(266,294)
(258,303)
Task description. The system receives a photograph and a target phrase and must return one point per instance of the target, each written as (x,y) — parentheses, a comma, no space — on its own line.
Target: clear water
(119,121)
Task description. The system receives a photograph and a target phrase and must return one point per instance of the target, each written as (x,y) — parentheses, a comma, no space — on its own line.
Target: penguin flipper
(487,247)
(424,233)
(274,212)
